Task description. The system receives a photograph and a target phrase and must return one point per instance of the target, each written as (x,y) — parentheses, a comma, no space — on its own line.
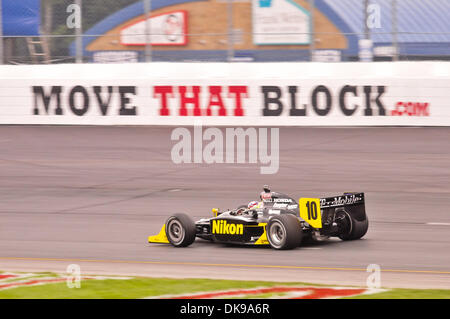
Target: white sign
(326,56)
(115,56)
(384,51)
(365,50)
(236,94)
(278,22)
(165,29)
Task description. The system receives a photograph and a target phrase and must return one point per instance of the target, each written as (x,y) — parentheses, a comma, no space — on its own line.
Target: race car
(277,220)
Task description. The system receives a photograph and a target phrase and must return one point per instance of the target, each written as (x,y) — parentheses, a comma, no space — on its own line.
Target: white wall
(420,91)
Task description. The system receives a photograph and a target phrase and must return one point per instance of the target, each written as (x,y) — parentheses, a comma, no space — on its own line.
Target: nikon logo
(223,228)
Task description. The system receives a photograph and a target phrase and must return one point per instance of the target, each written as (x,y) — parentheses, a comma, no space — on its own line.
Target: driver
(264,196)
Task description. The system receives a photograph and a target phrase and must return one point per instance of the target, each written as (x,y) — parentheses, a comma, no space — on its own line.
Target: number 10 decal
(310,211)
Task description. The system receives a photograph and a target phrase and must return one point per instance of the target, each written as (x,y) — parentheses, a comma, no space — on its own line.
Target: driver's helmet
(253,204)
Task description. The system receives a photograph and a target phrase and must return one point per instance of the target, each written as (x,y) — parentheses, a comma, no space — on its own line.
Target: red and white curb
(9,280)
(15,280)
(283,292)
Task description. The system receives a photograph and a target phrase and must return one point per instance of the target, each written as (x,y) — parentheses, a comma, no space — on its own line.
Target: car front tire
(180,230)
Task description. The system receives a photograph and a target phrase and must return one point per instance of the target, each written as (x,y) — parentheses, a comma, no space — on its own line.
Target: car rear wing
(347,199)
(352,203)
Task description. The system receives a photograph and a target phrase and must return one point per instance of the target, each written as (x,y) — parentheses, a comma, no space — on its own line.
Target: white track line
(439,224)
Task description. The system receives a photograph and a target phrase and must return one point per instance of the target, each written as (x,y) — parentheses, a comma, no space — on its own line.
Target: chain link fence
(73,31)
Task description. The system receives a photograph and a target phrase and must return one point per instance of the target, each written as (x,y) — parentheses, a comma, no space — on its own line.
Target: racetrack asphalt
(91,195)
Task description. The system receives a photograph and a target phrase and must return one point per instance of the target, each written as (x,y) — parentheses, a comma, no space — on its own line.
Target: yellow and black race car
(277,220)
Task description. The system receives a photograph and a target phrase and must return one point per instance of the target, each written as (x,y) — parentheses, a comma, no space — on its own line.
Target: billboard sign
(236,94)
(280,22)
(166,29)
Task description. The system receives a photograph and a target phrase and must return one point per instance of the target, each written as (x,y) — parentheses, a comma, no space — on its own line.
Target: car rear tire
(351,229)
(180,230)
(284,232)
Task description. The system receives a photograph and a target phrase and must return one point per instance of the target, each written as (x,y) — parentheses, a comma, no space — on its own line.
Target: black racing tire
(353,229)
(180,230)
(284,232)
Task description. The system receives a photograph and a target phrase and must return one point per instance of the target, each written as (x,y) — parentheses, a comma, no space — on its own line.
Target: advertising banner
(280,22)
(248,94)
(166,29)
